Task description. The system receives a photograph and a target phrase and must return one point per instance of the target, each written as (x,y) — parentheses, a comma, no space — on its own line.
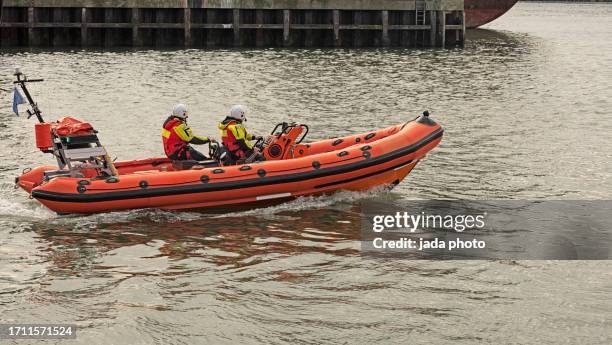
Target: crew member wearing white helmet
(177,136)
(234,134)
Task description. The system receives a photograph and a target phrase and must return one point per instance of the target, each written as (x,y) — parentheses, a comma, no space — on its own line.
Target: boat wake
(11,208)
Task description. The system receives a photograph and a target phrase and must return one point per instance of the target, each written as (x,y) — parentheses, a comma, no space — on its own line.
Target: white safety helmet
(180,111)
(238,112)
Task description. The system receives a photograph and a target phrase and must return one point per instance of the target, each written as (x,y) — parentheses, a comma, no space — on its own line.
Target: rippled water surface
(526,109)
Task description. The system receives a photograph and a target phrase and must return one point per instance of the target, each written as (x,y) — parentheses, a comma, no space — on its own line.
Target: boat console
(285,142)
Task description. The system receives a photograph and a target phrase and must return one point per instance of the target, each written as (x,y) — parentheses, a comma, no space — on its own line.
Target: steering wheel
(259,143)
(213,150)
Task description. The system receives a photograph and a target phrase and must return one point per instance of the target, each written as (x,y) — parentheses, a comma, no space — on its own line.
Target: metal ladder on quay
(419,6)
(419,18)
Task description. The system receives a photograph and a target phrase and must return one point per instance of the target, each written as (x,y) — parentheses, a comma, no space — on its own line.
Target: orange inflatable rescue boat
(86,180)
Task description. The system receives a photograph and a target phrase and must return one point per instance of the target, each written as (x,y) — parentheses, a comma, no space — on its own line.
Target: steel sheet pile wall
(222,23)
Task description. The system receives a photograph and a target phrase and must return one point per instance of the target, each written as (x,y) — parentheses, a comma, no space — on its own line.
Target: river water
(526,109)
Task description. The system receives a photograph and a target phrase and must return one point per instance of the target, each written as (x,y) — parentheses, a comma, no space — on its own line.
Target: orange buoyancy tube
(172,141)
(355,162)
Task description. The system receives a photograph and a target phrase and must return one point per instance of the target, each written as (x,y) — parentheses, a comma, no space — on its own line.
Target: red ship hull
(481,12)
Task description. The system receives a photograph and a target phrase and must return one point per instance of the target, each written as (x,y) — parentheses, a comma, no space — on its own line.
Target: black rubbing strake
(363,176)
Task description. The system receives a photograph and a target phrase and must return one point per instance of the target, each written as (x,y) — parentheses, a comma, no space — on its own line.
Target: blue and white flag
(17,100)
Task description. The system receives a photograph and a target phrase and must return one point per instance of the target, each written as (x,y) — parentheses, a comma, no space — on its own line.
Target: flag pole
(22,80)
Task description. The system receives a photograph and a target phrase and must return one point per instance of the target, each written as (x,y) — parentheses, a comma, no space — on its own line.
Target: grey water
(526,111)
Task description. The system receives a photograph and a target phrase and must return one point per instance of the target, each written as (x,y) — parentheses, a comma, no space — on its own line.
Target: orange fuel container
(43,136)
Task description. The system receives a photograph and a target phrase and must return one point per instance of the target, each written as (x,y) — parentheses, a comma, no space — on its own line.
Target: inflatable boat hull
(355,163)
